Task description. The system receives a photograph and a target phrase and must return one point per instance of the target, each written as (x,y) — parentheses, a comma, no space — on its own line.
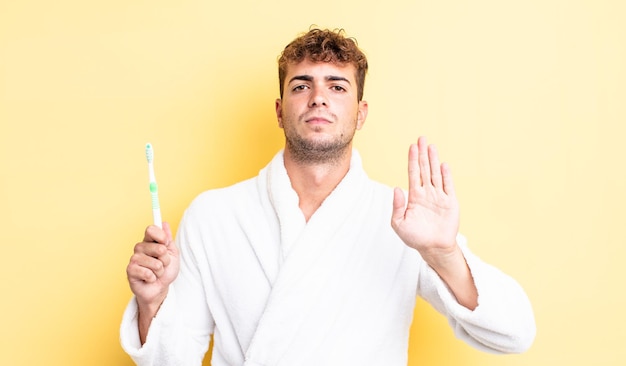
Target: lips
(317,120)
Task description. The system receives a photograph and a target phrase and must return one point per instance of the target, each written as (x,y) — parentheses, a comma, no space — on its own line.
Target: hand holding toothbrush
(154,264)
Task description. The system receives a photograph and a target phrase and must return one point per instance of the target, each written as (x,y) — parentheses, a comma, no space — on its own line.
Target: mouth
(317,120)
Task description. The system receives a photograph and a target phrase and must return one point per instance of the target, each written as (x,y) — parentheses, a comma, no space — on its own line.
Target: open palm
(429,220)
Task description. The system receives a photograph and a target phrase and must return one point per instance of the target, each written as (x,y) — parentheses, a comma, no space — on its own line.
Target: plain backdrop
(526,100)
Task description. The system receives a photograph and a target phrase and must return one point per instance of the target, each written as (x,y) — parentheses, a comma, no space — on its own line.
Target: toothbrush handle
(156,213)
(156,208)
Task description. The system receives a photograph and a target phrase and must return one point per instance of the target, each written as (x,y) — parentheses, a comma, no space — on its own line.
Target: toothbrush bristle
(149,152)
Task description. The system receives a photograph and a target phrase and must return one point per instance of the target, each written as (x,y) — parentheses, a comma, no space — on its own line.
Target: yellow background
(525,99)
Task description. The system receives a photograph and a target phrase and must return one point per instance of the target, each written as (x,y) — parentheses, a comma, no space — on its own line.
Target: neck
(314,181)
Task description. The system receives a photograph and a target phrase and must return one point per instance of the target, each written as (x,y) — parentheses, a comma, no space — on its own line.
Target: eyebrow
(327,78)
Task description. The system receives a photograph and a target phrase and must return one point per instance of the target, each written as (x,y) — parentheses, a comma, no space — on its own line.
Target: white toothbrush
(154,189)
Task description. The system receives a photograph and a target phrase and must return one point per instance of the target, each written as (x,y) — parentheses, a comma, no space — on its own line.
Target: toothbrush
(154,189)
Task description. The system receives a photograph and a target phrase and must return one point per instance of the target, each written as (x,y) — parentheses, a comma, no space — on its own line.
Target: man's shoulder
(224,197)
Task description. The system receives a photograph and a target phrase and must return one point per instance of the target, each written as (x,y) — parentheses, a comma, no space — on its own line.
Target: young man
(311,262)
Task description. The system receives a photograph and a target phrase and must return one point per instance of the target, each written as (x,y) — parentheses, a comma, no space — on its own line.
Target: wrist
(454,271)
(445,259)
(149,308)
(146,312)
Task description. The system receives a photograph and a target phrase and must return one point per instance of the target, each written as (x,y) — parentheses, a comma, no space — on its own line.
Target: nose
(318,98)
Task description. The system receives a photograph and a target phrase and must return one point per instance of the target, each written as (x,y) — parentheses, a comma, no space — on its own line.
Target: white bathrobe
(275,290)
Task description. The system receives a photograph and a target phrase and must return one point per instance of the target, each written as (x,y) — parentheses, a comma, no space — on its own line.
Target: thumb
(168,232)
(171,246)
(399,203)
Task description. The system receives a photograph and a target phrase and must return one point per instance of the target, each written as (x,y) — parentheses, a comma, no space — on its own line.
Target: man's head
(320,106)
(324,46)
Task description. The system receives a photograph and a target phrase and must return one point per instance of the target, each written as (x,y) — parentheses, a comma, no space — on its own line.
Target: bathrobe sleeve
(503,322)
(181,330)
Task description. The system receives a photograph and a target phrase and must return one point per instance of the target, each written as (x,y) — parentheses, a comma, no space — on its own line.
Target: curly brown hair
(325,45)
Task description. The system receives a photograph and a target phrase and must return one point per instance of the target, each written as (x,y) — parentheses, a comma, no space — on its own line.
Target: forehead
(321,70)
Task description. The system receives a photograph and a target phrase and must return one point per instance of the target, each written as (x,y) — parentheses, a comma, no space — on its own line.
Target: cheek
(289,113)
(353,115)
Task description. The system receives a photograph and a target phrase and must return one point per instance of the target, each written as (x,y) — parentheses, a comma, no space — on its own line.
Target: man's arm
(167,322)
(429,220)
(153,267)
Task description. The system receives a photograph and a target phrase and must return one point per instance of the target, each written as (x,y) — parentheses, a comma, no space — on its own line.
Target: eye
(338,88)
(299,88)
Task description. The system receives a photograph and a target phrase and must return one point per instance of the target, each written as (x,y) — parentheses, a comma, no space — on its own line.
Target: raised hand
(429,220)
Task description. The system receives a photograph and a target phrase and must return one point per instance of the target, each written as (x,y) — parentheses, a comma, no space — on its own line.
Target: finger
(414,172)
(424,163)
(168,232)
(155,234)
(166,259)
(154,250)
(448,184)
(137,273)
(399,204)
(155,265)
(435,167)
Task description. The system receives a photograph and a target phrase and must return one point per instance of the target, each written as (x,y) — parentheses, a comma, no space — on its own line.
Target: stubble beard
(308,151)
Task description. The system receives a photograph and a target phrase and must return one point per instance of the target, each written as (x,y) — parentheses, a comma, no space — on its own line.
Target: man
(311,262)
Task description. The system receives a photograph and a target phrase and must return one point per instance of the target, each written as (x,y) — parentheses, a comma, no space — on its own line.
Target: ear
(361,114)
(279,112)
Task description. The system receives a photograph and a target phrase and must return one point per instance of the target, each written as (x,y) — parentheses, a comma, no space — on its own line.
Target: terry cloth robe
(274,290)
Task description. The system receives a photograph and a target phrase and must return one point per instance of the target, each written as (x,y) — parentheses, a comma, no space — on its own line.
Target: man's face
(319,110)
